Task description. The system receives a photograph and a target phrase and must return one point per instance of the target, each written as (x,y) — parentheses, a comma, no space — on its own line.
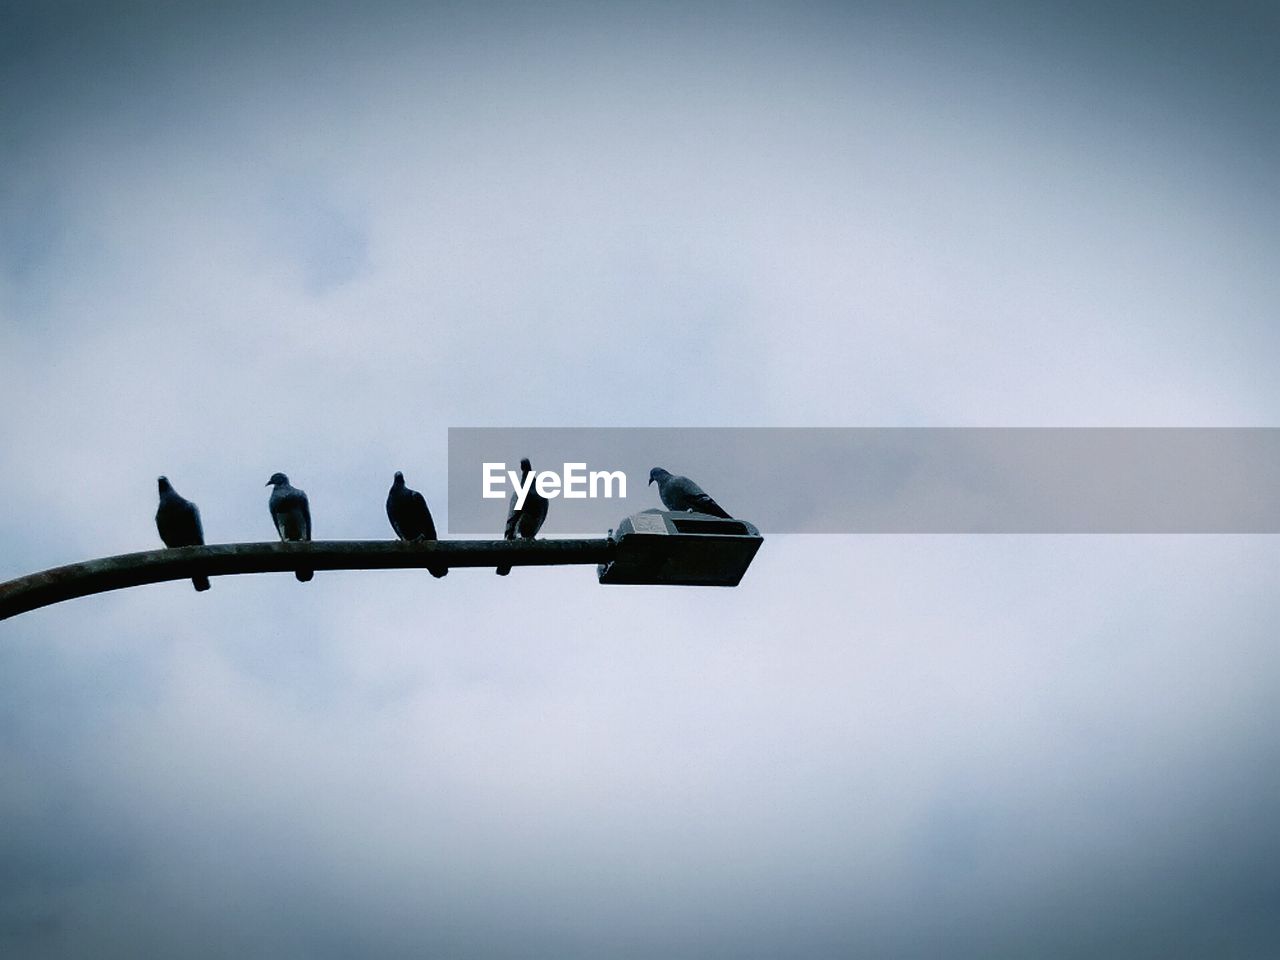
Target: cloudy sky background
(311,238)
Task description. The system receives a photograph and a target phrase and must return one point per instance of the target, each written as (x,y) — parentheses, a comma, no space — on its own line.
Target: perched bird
(410,518)
(291,513)
(178,520)
(681,493)
(524,523)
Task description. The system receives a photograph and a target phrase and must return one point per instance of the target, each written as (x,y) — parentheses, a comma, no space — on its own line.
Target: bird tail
(706,505)
(508,534)
(200,583)
(304,575)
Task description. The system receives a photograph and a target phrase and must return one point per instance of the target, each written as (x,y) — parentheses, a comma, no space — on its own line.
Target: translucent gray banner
(888,480)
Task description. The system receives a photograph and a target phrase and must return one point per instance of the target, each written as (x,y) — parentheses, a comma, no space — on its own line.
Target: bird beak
(650,483)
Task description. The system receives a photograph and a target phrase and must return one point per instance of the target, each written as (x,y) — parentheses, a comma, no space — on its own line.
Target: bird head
(657,473)
(277,479)
(399,481)
(164,484)
(525,467)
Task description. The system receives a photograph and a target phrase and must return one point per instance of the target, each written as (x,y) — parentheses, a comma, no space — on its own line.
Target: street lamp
(650,547)
(694,549)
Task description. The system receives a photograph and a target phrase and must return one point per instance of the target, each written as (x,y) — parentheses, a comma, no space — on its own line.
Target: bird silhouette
(524,523)
(178,520)
(291,513)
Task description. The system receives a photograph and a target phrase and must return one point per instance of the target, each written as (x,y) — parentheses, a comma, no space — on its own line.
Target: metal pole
(222,559)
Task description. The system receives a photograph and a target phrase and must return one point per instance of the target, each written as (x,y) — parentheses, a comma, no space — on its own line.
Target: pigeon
(525,523)
(178,520)
(681,493)
(410,518)
(292,515)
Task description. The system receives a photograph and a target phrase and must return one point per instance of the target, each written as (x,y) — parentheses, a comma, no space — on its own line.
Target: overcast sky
(313,237)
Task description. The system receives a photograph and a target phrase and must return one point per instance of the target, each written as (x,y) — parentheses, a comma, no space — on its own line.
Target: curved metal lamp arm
(222,559)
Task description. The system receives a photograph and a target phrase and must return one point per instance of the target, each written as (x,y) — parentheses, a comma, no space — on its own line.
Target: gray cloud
(307,239)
